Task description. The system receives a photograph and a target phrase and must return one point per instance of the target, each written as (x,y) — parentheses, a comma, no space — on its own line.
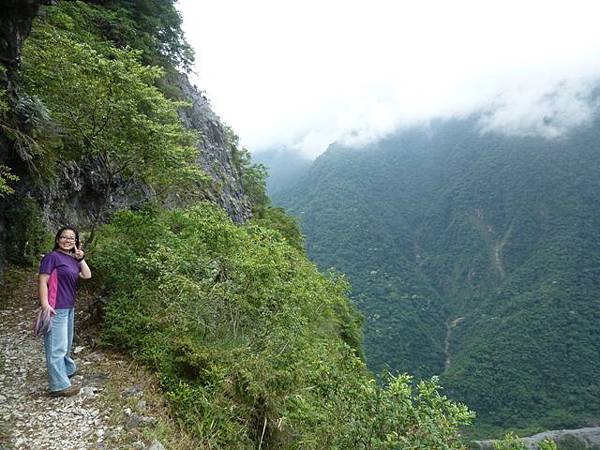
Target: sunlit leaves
(6,178)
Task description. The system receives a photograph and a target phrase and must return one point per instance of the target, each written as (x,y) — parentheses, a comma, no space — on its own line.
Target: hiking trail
(118,407)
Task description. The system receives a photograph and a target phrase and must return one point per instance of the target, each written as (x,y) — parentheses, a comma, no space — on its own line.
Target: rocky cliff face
(15,24)
(214,156)
(75,196)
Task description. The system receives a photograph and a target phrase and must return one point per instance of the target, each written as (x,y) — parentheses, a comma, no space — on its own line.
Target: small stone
(78,349)
(147,420)
(97,378)
(133,390)
(88,392)
(156,445)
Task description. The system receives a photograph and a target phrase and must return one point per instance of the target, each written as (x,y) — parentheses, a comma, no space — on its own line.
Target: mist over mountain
(474,255)
(285,167)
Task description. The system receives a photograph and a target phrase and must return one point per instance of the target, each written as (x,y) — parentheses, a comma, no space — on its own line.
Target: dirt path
(113,410)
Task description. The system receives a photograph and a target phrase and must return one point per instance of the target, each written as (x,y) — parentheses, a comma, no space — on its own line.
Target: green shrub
(251,343)
(277,219)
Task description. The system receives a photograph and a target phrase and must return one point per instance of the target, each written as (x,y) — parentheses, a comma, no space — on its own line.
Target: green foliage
(156,31)
(397,415)
(548,444)
(4,104)
(106,106)
(6,177)
(510,442)
(251,342)
(151,26)
(278,219)
(254,182)
(27,127)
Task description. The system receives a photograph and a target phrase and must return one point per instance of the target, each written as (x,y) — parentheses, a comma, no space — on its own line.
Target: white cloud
(305,73)
(546,110)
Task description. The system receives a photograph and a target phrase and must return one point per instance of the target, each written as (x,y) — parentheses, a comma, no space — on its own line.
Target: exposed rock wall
(214,156)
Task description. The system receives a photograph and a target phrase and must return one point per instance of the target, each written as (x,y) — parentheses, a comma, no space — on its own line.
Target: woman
(59,272)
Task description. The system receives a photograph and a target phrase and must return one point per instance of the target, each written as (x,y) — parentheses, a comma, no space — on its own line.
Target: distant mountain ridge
(475,257)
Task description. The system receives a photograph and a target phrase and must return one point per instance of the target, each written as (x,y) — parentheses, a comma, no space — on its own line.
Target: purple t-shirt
(64,273)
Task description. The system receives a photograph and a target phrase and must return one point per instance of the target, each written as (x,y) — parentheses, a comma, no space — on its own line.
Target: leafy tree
(158,31)
(107,108)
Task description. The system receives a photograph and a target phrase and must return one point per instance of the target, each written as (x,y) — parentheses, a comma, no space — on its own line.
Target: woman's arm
(84,270)
(43,291)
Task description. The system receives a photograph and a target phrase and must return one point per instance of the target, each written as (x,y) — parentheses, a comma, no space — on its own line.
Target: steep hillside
(474,257)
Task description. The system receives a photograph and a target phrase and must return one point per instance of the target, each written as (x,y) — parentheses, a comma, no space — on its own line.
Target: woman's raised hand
(79,253)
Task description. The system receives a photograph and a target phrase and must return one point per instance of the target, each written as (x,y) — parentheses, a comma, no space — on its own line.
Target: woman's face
(66,240)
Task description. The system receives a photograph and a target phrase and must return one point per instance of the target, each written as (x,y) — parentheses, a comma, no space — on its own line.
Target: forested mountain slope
(475,257)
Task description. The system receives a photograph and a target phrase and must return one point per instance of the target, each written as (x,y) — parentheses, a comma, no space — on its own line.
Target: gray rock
(132,390)
(156,445)
(588,436)
(214,155)
(96,379)
(136,421)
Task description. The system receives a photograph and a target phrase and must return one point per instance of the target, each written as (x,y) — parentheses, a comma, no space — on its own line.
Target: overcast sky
(306,73)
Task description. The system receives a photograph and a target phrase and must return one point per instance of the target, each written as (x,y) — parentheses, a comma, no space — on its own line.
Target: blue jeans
(57,345)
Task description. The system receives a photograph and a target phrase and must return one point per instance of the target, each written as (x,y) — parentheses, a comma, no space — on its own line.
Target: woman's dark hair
(60,231)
